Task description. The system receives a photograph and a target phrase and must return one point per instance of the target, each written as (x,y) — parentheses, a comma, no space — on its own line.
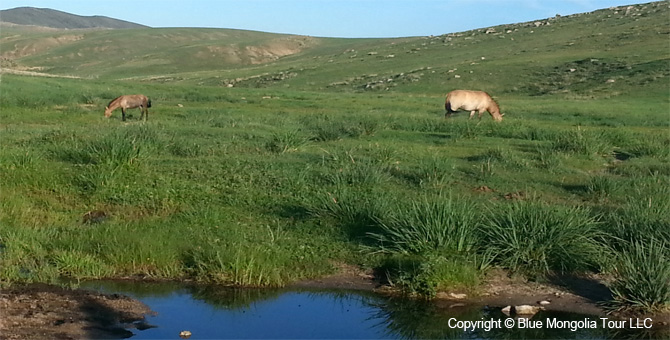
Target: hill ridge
(46,17)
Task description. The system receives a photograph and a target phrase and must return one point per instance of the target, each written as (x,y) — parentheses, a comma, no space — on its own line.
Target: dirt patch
(483,188)
(569,294)
(50,312)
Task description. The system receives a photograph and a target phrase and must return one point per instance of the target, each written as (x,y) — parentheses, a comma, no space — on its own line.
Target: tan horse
(472,101)
(129,102)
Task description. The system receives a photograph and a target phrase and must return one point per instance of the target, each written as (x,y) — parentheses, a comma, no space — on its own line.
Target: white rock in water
(526,309)
(507,310)
(458,296)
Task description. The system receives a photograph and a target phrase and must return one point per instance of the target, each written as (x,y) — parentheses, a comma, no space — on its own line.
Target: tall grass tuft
(441,225)
(602,187)
(642,277)
(644,216)
(426,275)
(582,142)
(287,141)
(113,151)
(534,239)
(434,172)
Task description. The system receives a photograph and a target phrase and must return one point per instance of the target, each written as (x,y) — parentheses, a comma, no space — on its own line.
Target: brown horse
(129,102)
(472,101)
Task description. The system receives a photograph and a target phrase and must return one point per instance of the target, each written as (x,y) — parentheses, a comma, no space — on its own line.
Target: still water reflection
(211,312)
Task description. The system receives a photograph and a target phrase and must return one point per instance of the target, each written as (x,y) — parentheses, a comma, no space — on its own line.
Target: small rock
(507,310)
(526,310)
(184,334)
(544,302)
(457,305)
(458,296)
(441,295)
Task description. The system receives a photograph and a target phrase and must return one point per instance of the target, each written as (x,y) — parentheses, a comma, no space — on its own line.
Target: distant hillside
(56,19)
(609,52)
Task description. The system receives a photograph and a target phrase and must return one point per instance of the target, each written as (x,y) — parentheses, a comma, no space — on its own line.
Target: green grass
(642,277)
(301,164)
(435,225)
(536,239)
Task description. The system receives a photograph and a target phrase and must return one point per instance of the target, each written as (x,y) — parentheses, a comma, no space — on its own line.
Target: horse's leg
(146,114)
(123,114)
(472,114)
(480,114)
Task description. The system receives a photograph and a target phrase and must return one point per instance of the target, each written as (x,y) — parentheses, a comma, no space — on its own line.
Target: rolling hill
(44,17)
(607,51)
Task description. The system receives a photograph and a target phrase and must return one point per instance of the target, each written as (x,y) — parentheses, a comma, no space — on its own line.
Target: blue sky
(327,18)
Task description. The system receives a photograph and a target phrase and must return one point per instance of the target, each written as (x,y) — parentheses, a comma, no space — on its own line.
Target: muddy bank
(51,312)
(575,294)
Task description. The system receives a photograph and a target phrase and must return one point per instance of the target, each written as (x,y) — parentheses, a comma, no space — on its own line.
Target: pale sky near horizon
(326,18)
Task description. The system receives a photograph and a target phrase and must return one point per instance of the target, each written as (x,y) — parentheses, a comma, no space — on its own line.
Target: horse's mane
(113,100)
(495,102)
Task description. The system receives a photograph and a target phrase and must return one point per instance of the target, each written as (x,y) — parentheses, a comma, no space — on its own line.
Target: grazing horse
(129,102)
(472,101)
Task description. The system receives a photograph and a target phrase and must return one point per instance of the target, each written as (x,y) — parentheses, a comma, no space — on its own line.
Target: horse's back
(468,100)
(134,100)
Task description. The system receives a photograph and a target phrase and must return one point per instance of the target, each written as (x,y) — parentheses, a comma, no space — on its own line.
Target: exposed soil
(49,312)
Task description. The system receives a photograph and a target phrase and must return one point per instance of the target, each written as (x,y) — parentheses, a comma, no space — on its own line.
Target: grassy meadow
(320,158)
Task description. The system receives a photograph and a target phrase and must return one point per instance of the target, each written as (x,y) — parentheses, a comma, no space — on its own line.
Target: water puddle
(228,313)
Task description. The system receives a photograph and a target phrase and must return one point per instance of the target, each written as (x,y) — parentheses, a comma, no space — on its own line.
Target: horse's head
(108,112)
(496,114)
(494,110)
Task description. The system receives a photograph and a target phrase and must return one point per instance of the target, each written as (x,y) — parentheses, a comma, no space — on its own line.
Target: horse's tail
(447,103)
(148,103)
